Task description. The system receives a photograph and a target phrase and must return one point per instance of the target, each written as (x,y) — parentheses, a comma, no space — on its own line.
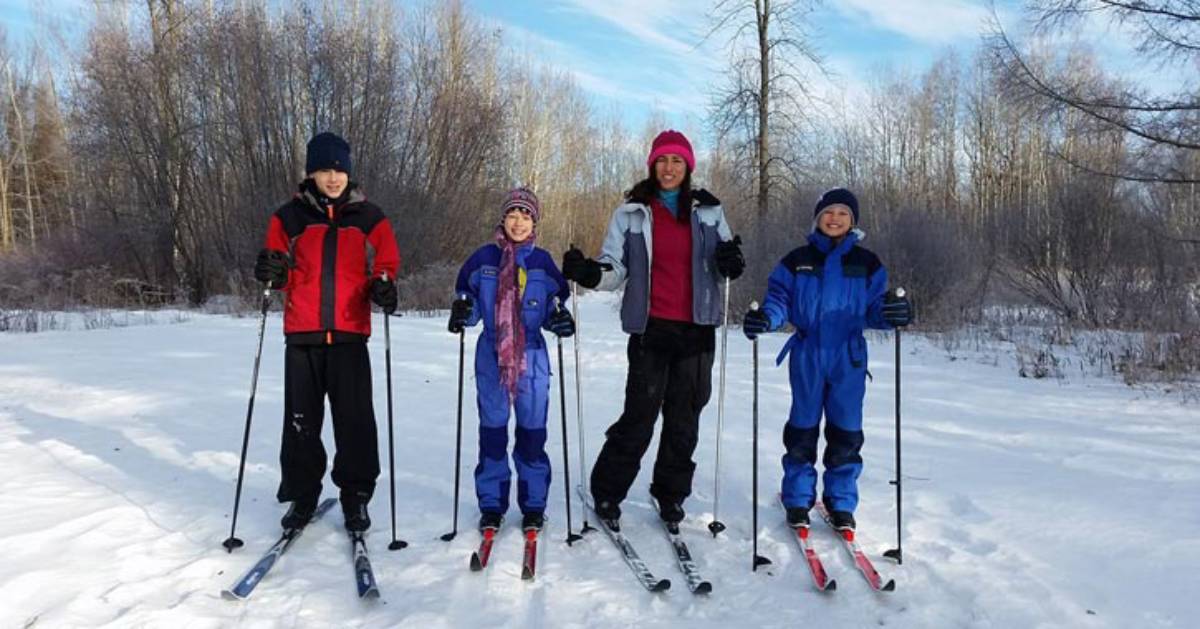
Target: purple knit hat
(522,199)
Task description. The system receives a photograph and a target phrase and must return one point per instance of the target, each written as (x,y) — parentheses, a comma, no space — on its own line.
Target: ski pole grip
(754,305)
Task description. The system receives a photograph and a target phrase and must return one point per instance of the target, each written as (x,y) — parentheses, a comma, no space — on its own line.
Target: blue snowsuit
(830,293)
(543,281)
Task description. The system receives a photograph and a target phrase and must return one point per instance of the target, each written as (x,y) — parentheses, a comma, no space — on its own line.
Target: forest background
(1019,181)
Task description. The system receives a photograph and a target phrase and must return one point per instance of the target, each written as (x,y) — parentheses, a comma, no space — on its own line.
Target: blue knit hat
(327,150)
(837,195)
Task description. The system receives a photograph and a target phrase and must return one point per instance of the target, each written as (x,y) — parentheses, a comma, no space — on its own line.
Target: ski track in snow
(1028,503)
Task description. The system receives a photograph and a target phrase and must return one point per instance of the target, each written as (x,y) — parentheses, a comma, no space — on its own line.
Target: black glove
(704,198)
(578,268)
(755,322)
(730,262)
(271,268)
(383,293)
(460,313)
(561,323)
(897,311)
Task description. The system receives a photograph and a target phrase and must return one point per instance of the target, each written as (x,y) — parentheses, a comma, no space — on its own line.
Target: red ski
(479,558)
(856,553)
(529,563)
(820,577)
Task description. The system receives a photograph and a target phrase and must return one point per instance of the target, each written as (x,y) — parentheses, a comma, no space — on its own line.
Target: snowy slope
(1027,504)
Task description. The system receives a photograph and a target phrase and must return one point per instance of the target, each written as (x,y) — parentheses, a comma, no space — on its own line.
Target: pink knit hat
(672,141)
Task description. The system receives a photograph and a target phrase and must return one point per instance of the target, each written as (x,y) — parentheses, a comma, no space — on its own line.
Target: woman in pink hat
(669,247)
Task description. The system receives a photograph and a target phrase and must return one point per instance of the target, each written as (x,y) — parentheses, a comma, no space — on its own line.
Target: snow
(1028,503)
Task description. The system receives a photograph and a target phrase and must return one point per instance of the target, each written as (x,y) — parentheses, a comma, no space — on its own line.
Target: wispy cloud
(589,73)
(664,38)
(647,63)
(650,22)
(937,22)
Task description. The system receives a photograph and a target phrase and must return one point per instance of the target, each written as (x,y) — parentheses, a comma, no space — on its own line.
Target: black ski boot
(842,520)
(354,507)
(490,520)
(671,511)
(299,513)
(609,513)
(533,521)
(797,517)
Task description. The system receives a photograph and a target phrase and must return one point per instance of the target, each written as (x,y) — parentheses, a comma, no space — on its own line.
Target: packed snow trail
(1028,503)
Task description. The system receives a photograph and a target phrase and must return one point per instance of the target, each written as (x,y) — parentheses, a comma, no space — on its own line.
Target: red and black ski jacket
(334,251)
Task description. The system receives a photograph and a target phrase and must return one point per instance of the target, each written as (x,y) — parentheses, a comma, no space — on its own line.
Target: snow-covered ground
(1028,503)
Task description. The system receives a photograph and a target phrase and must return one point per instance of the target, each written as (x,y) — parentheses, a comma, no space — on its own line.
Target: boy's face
(330,182)
(518,225)
(835,221)
(670,170)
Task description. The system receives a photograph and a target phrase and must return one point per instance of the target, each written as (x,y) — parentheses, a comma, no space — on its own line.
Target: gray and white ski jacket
(628,247)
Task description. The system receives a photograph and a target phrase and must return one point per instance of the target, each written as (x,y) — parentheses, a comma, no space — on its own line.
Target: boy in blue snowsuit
(512,286)
(830,289)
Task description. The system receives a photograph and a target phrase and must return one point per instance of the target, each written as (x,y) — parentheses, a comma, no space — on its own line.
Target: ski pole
(462,344)
(897,553)
(579,403)
(716,526)
(387,336)
(572,537)
(233,541)
(759,560)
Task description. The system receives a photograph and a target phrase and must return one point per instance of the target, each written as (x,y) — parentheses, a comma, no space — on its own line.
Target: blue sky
(646,56)
(648,59)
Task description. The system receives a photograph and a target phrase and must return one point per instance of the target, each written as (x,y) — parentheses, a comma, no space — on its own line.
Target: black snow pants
(343,372)
(670,370)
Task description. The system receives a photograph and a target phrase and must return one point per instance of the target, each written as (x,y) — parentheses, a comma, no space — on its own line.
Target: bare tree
(772,60)
(1167,35)
(18,124)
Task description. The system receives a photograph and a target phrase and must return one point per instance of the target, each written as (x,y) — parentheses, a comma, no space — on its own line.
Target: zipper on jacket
(648,236)
(333,226)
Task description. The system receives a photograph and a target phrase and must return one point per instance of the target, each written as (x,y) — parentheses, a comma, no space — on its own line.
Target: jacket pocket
(858,352)
(533,307)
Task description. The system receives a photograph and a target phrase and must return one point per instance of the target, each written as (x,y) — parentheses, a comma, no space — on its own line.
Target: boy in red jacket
(329,250)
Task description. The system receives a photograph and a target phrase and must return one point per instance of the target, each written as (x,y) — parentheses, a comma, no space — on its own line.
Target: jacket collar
(825,244)
(310,197)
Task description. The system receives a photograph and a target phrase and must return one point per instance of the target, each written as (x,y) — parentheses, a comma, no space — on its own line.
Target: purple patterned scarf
(510,329)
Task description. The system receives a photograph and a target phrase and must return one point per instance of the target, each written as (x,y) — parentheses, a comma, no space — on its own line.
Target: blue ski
(245,585)
(364,576)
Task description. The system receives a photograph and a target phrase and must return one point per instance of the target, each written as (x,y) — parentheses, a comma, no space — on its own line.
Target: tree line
(1014,174)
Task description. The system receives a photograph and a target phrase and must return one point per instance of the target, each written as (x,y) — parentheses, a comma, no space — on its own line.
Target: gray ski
(695,583)
(635,563)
